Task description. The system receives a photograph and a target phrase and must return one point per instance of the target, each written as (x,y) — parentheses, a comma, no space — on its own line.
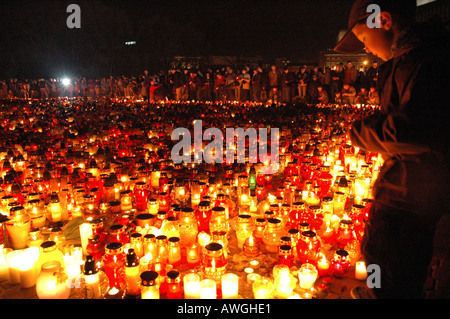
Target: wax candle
(174,289)
(208,289)
(13,259)
(174,257)
(191,284)
(263,288)
(230,286)
(360,270)
(251,246)
(149,285)
(27,269)
(307,276)
(132,274)
(4,271)
(323,265)
(85,233)
(193,254)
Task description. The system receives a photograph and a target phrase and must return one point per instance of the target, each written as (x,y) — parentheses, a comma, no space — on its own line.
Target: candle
(85,233)
(230,286)
(13,259)
(174,257)
(193,254)
(149,285)
(191,283)
(73,268)
(263,288)
(251,246)
(360,270)
(4,269)
(208,289)
(323,265)
(307,276)
(27,268)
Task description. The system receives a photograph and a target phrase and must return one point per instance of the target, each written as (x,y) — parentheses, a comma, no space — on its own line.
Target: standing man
(302,80)
(350,74)
(410,132)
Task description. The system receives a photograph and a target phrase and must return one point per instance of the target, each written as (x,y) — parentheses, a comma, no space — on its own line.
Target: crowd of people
(341,84)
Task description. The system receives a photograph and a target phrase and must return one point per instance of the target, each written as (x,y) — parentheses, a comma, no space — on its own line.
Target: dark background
(35,41)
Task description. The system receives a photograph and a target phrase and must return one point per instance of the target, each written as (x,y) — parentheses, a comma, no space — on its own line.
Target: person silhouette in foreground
(410,132)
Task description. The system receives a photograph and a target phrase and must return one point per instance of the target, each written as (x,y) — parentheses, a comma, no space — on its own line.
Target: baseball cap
(349,43)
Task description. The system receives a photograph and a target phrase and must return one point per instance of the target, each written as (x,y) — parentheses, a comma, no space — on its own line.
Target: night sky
(35,41)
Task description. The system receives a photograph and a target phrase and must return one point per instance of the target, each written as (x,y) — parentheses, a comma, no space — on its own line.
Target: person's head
(320,88)
(346,86)
(349,64)
(376,32)
(273,67)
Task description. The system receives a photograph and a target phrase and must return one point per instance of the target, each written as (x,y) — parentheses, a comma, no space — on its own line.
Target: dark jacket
(411,131)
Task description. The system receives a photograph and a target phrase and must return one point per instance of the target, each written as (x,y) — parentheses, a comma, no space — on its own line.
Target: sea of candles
(168,214)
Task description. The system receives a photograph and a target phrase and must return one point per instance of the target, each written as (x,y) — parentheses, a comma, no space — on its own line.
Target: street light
(65,81)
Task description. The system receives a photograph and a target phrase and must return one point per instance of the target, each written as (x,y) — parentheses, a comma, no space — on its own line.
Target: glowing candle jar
(360,270)
(219,220)
(263,288)
(149,285)
(193,255)
(154,179)
(52,282)
(344,233)
(113,263)
(203,215)
(145,220)
(340,263)
(316,217)
(251,246)
(307,275)
(260,192)
(163,249)
(308,247)
(174,257)
(339,201)
(164,201)
(260,225)
(191,285)
(91,280)
(140,194)
(230,286)
(95,247)
(55,211)
(163,183)
(214,263)
(17,227)
(117,234)
(136,240)
(150,246)
(285,255)
(245,226)
(208,289)
(171,227)
(126,202)
(297,215)
(35,210)
(323,266)
(272,235)
(188,226)
(132,275)
(153,206)
(174,289)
